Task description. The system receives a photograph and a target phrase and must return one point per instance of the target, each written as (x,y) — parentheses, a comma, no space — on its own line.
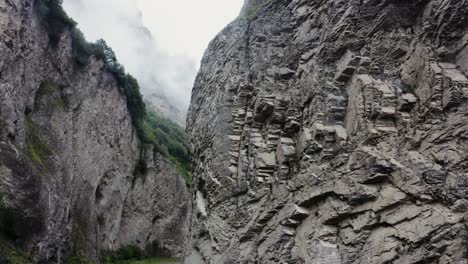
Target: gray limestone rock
(332,132)
(70,156)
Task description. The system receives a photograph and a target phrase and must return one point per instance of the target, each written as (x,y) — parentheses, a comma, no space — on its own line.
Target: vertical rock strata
(69,156)
(333,132)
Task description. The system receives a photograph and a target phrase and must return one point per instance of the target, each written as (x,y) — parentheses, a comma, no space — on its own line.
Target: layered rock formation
(333,132)
(71,163)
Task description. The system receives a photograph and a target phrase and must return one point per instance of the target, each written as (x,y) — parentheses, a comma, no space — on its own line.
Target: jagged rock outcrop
(333,132)
(70,159)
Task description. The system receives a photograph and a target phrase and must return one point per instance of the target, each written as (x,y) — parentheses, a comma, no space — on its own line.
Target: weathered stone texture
(156,209)
(69,154)
(333,132)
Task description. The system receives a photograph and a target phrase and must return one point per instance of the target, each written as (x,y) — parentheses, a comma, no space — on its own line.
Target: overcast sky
(160,42)
(187,26)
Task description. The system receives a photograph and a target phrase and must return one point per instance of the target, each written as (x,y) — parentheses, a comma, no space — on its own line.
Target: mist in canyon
(159,43)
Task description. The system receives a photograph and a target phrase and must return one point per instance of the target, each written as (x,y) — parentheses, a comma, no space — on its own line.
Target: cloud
(160,42)
(120,23)
(186,26)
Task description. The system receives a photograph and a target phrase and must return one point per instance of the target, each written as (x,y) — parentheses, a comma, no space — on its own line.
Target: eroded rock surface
(69,156)
(156,210)
(333,132)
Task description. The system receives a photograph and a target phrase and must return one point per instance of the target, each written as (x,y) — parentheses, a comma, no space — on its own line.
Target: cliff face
(333,132)
(155,211)
(70,162)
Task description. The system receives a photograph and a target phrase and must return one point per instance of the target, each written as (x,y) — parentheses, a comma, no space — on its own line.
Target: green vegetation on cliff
(38,150)
(125,255)
(55,18)
(170,140)
(128,253)
(15,256)
(168,137)
(78,260)
(57,22)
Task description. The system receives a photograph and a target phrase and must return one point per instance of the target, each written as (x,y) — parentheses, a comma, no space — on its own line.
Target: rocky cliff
(333,132)
(72,168)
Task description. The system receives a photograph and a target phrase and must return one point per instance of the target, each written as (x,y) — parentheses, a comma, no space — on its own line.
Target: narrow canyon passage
(318,132)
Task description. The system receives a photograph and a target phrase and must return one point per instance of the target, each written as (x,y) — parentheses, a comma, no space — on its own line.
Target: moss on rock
(15,256)
(39,151)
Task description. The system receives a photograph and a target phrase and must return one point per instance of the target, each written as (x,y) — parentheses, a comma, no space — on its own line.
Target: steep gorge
(73,169)
(332,132)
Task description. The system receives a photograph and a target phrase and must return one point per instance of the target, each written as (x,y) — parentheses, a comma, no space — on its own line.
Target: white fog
(159,42)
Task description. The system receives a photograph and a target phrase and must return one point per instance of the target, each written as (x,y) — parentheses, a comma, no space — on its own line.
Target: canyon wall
(72,167)
(332,132)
